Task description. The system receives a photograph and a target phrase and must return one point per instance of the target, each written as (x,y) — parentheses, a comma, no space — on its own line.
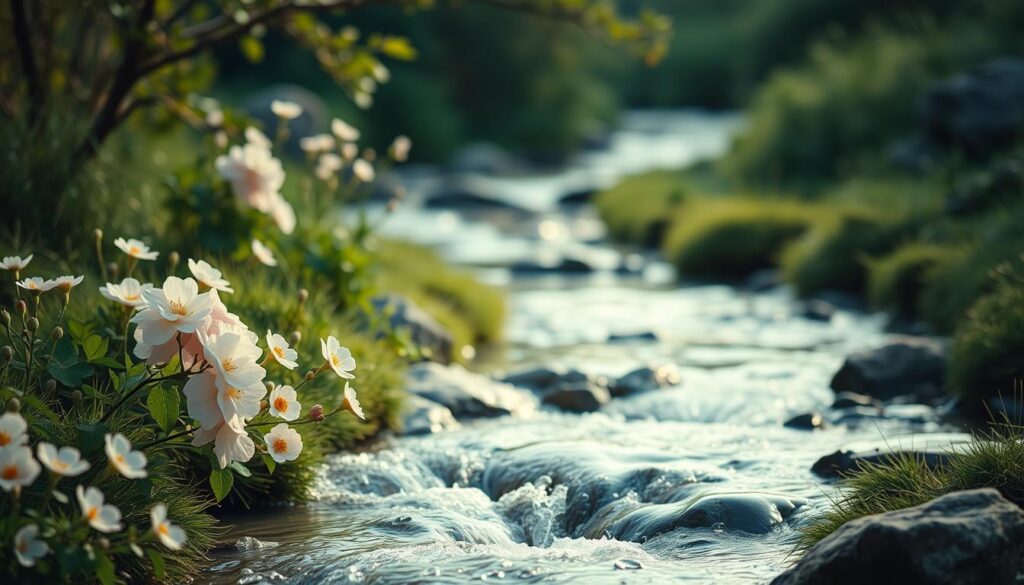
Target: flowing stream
(697,482)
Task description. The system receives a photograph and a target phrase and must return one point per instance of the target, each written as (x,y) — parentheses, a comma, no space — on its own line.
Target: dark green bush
(637,210)
(730,238)
(833,256)
(897,280)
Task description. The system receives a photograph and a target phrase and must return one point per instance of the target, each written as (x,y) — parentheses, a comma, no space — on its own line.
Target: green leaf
(221,481)
(397,48)
(65,366)
(107,362)
(90,436)
(163,404)
(95,347)
(104,569)
(252,48)
(158,563)
(270,463)
(241,469)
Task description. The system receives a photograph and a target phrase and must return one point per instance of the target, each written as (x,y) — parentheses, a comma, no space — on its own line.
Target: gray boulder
(645,379)
(423,417)
(751,513)
(914,367)
(465,394)
(963,538)
(807,421)
(577,396)
(533,378)
(843,462)
(431,337)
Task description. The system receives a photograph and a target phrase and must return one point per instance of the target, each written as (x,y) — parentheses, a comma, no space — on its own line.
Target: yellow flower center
(163,529)
(233,392)
(281,403)
(178,307)
(23,547)
(280,446)
(10,472)
(4,438)
(278,351)
(131,298)
(119,458)
(58,464)
(334,359)
(92,513)
(229,365)
(133,250)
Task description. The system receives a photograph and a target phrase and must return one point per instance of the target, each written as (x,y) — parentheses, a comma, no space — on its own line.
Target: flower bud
(303,295)
(295,338)
(50,386)
(112,270)
(76,396)
(173,259)
(98,233)
(269,385)
(5,317)
(316,414)
(13,405)
(310,375)
(56,333)
(8,352)
(32,325)
(103,543)
(21,307)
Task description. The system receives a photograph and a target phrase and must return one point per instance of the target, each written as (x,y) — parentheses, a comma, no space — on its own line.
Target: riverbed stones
(807,421)
(578,396)
(844,461)
(423,417)
(431,337)
(963,538)
(645,379)
(466,394)
(751,513)
(854,400)
(913,367)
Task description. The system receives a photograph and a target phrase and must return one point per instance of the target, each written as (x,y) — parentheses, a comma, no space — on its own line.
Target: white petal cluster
(256,178)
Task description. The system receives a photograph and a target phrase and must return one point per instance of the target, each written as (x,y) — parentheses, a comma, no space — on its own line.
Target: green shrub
(986,360)
(994,459)
(637,209)
(897,280)
(833,255)
(954,286)
(730,238)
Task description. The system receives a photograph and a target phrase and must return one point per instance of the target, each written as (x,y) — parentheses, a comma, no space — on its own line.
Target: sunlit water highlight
(694,483)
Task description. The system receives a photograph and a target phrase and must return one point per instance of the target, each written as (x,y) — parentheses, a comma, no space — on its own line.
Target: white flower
(131,464)
(328,165)
(231,443)
(351,402)
(170,535)
(128,292)
(215,118)
(255,137)
(285,109)
(12,429)
(317,143)
(67,461)
(66,283)
(363,170)
(263,253)
(349,151)
(284,404)
(102,517)
(255,176)
(36,285)
(135,249)
(283,354)
(28,547)
(400,148)
(233,355)
(209,276)
(15,263)
(283,214)
(201,400)
(343,131)
(176,308)
(283,443)
(339,358)
(17,467)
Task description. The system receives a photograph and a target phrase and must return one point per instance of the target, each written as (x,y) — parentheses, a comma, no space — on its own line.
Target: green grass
(994,459)
(897,280)
(474,312)
(986,358)
(731,237)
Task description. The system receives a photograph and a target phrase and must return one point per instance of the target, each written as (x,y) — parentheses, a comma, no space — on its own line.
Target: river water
(698,482)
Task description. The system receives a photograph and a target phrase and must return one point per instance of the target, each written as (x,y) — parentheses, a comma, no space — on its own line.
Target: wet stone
(646,379)
(750,513)
(843,462)
(534,378)
(853,400)
(819,310)
(577,396)
(425,332)
(640,336)
(912,367)
(250,543)
(465,394)
(628,565)
(807,421)
(422,417)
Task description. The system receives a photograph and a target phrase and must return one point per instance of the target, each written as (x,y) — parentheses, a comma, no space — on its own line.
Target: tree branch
(28,61)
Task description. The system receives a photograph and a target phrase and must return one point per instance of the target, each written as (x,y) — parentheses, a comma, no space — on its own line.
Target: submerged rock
(807,421)
(819,310)
(854,400)
(751,513)
(534,378)
(565,265)
(465,394)
(963,538)
(632,337)
(422,417)
(429,335)
(645,379)
(911,366)
(251,543)
(843,462)
(583,396)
